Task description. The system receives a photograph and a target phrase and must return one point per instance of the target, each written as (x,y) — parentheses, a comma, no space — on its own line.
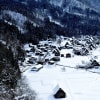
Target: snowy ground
(77,83)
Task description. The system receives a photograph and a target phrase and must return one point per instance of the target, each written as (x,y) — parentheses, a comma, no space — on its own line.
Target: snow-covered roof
(62,86)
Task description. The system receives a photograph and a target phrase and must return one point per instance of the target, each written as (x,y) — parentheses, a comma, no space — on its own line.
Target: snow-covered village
(67,68)
(49,49)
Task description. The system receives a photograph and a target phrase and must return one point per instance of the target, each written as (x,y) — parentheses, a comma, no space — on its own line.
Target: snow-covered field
(79,84)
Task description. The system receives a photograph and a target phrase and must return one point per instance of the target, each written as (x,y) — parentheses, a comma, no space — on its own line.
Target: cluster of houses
(82,46)
(49,53)
(41,54)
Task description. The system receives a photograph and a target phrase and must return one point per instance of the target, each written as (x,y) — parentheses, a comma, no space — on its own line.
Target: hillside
(68,18)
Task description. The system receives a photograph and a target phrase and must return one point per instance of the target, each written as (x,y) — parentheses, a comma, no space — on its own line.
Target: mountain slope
(61,17)
(92,3)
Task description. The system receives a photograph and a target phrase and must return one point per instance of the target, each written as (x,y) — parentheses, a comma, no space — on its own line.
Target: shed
(95,63)
(59,92)
(62,55)
(68,55)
